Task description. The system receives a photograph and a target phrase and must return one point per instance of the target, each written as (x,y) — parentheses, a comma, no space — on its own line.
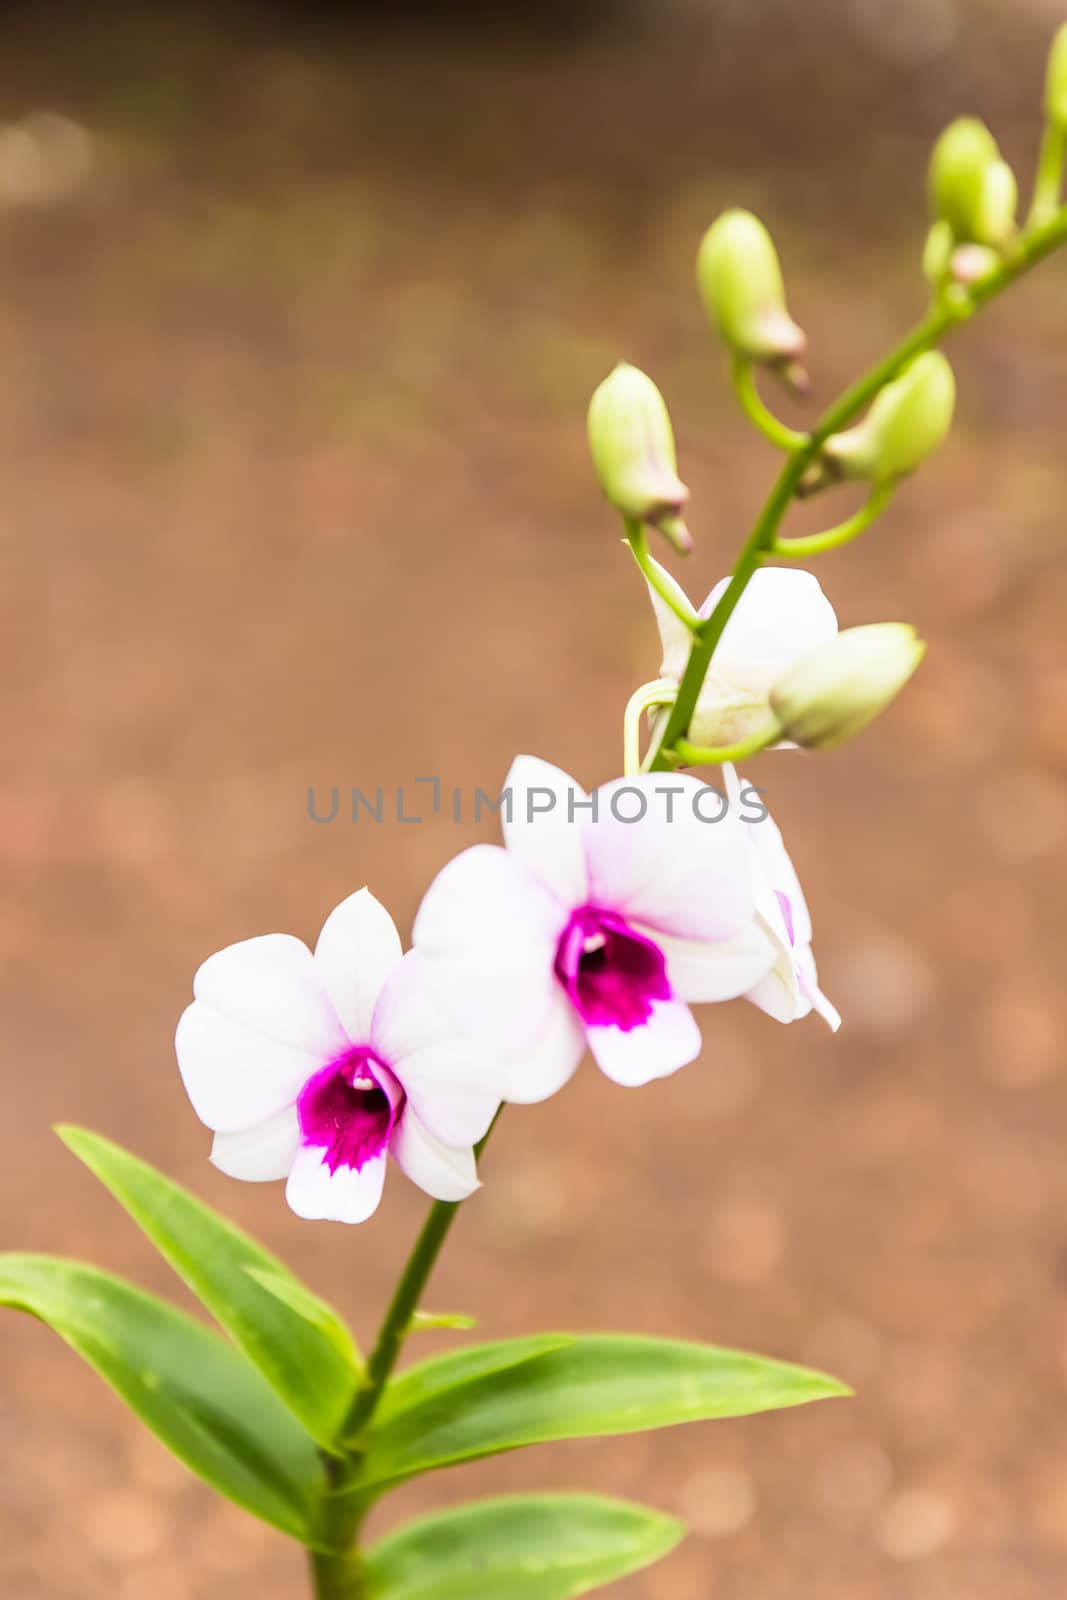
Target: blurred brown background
(299,315)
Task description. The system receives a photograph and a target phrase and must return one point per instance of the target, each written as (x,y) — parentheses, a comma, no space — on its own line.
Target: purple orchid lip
(611,973)
(348,1109)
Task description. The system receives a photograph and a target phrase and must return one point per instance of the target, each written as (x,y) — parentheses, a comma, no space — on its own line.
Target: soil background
(299,314)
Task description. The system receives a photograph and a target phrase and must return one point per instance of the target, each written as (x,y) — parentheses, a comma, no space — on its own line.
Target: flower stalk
(340,1577)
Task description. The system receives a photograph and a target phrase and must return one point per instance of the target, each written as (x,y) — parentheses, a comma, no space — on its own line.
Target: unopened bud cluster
(974,246)
(974,197)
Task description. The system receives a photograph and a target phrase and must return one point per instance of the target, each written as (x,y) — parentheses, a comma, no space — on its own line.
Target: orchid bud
(971,187)
(937,252)
(832,693)
(632,445)
(1056,84)
(740,282)
(909,418)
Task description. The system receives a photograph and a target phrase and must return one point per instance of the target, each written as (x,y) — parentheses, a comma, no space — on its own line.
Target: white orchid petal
(808,982)
(490,928)
(319,1195)
(260,1154)
(781,616)
(826,1010)
(778,993)
(543,826)
(708,973)
(356,951)
(538,1073)
(676,869)
(670,1039)
(774,872)
(452,1082)
(441,1170)
(234,1076)
(675,637)
(272,985)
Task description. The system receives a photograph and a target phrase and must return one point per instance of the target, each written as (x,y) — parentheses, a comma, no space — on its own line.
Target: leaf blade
(600,1384)
(528,1547)
(190,1387)
(296,1340)
(420,1383)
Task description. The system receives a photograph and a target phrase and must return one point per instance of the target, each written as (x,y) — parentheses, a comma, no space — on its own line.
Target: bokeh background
(299,314)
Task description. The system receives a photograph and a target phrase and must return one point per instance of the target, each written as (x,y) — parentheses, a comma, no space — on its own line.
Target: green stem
(336,1577)
(660,692)
(785,438)
(1032,247)
(813,544)
(637,539)
(340,1576)
(397,1320)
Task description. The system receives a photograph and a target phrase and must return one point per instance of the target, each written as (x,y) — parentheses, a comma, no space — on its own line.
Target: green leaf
(530,1547)
(591,1384)
(297,1341)
(299,1298)
(425,1321)
(187,1384)
(441,1374)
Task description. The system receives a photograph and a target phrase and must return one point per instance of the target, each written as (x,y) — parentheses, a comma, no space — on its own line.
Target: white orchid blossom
(598,924)
(781,617)
(317,1067)
(790,989)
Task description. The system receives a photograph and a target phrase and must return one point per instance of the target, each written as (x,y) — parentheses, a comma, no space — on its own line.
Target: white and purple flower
(318,1067)
(780,618)
(790,989)
(598,924)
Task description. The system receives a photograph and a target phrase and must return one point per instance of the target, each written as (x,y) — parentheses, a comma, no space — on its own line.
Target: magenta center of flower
(611,973)
(345,1111)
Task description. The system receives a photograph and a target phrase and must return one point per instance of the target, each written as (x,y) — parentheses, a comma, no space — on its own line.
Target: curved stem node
(660,692)
(761,417)
(814,544)
(697,755)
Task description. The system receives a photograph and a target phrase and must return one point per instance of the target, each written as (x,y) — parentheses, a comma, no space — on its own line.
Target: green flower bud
(971,187)
(1056,84)
(937,252)
(832,693)
(740,283)
(632,445)
(909,418)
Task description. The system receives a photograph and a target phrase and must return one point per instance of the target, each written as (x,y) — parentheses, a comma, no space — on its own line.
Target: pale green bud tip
(908,420)
(740,283)
(971,187)
(632,445)
(831,694)
(1056,85)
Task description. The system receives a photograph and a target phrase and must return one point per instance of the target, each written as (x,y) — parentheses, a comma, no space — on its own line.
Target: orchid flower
(317,1067)
(597,924)
(790,989)
(781,616)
